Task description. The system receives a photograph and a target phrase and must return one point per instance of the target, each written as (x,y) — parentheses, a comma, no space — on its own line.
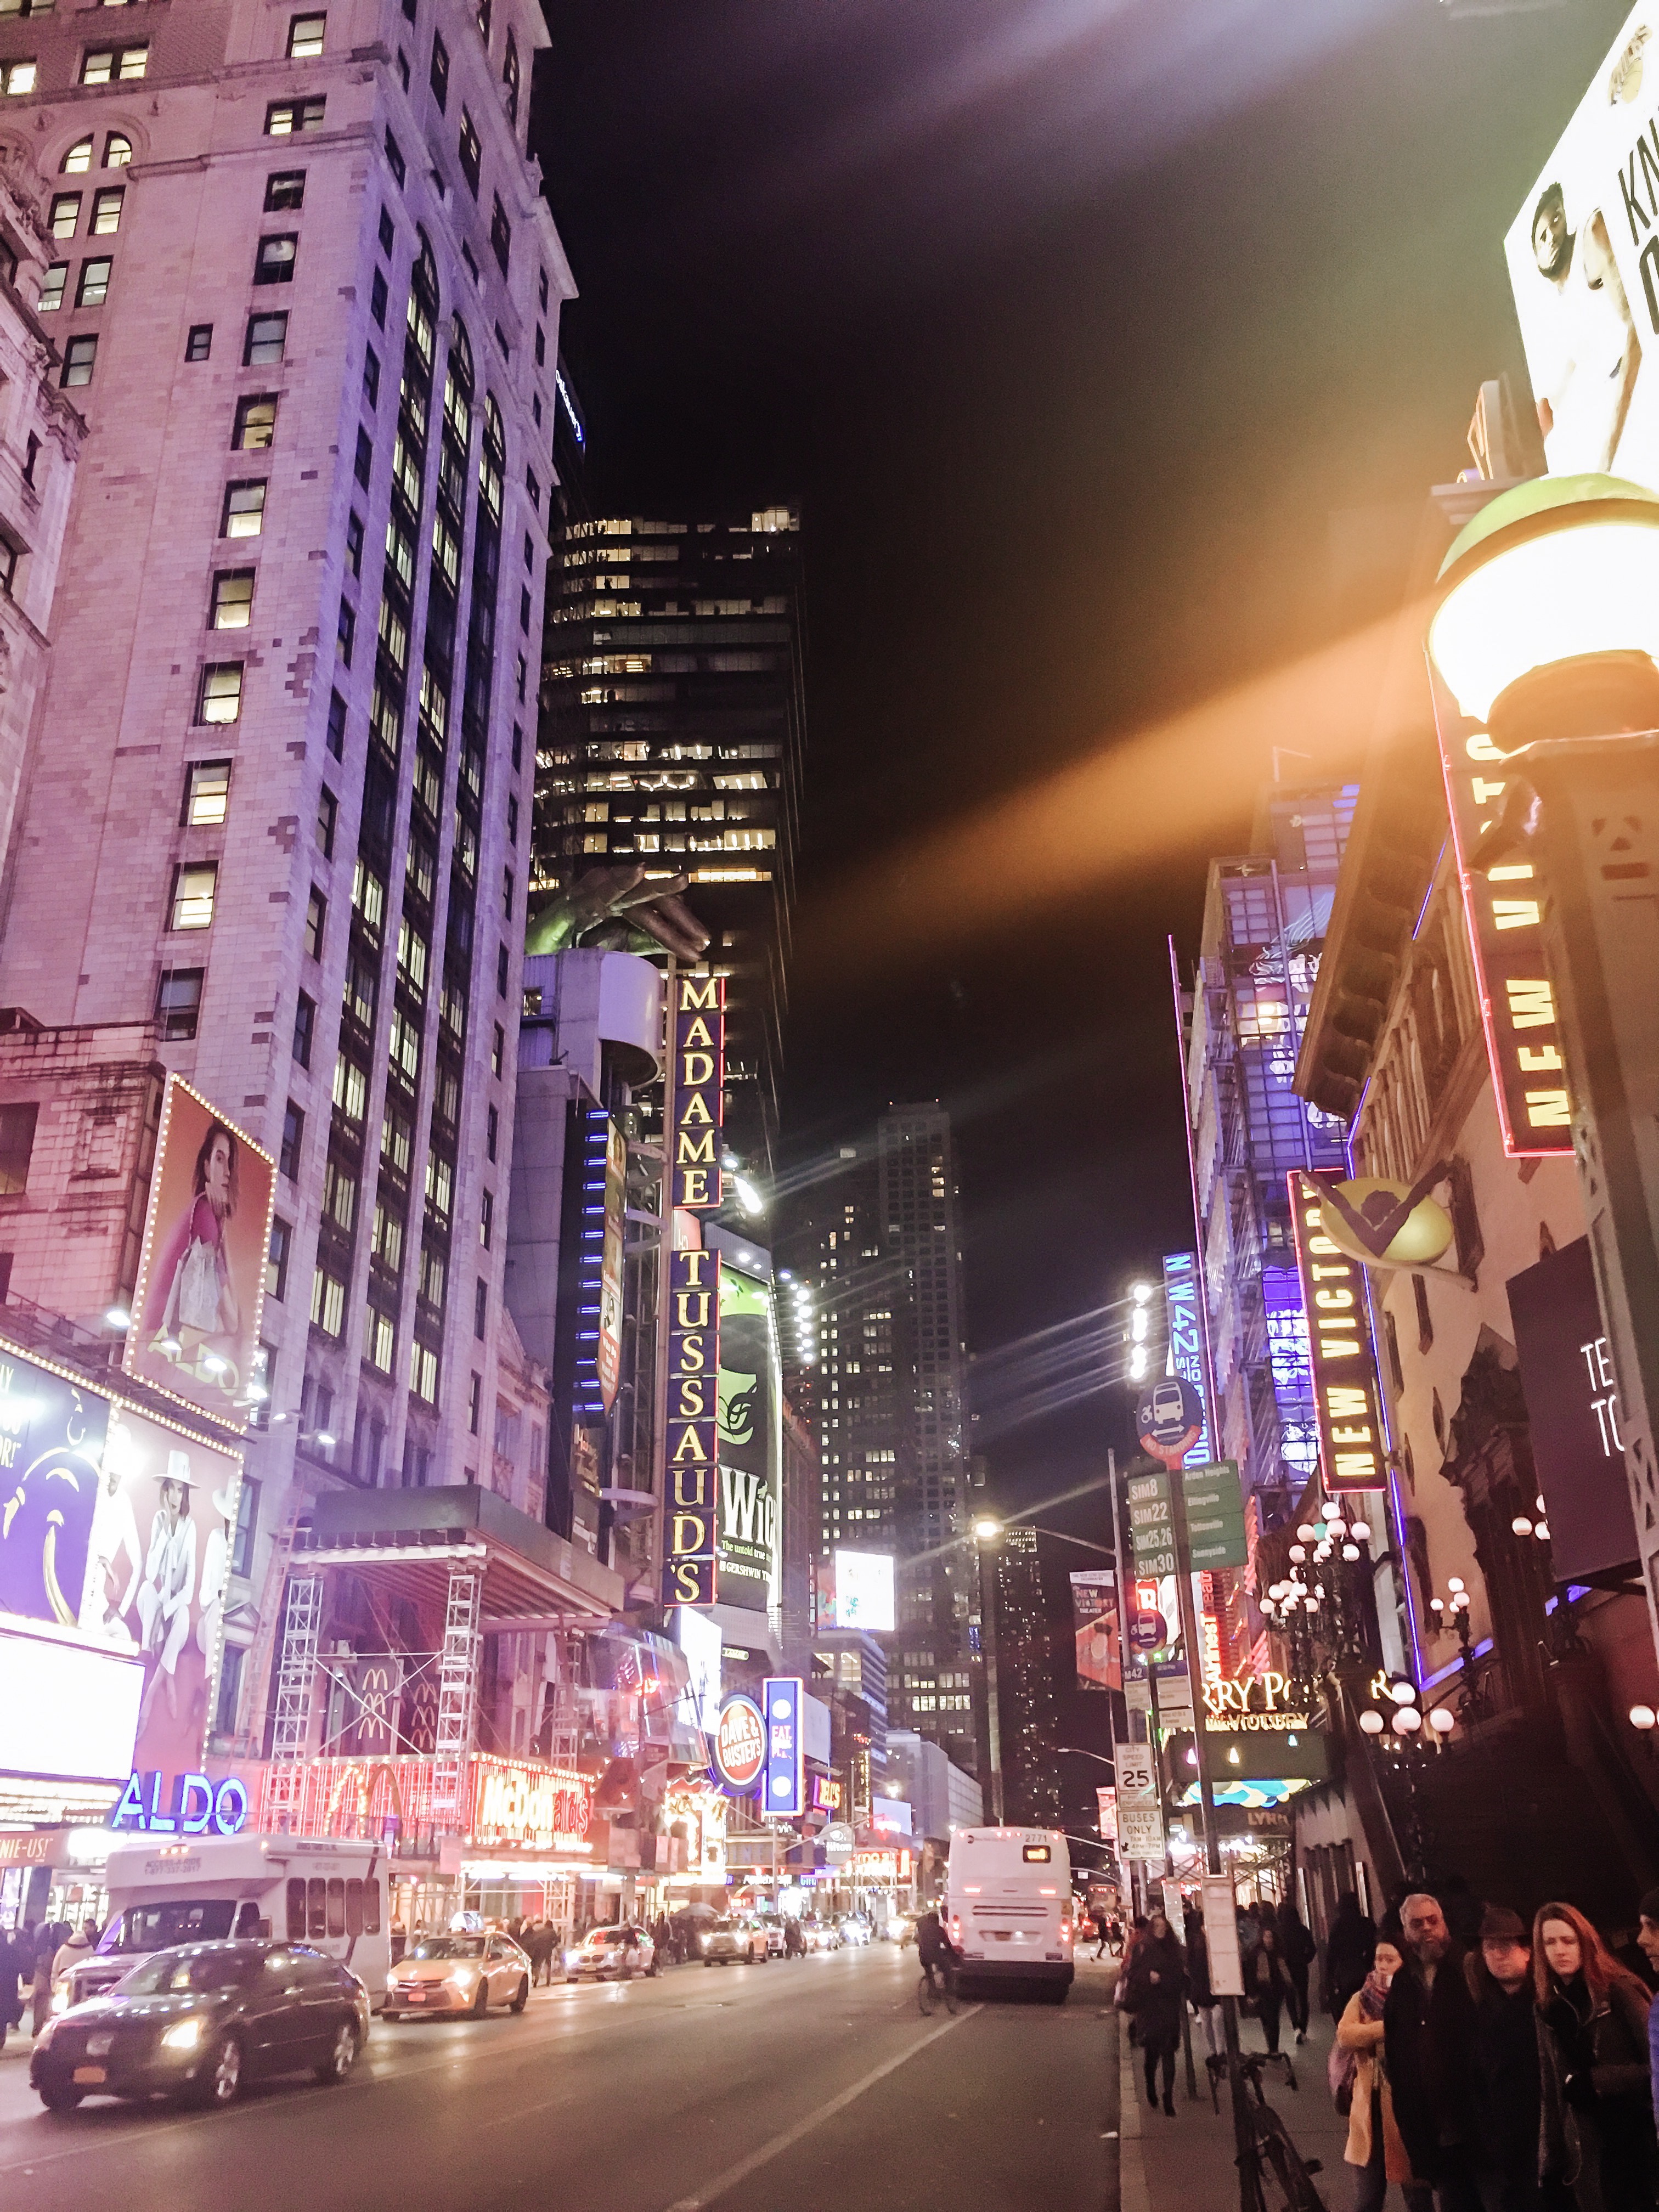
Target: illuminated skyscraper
(1025,1680)
(672,731)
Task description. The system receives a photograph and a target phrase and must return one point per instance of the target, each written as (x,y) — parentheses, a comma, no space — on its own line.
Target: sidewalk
(1185,2164)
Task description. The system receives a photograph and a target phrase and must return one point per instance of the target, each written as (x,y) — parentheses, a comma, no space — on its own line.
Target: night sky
(1071,324)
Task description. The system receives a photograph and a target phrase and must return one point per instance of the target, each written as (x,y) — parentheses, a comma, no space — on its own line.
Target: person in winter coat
(1373,2140)
(1648,1937)
(1267,1983)
(12,1959)
(1597,2136)
(1155,1994)
(1504,2064)
(1429,2024)
(71,1951)
(1200,1995)
(1300,1951)
(1348,1951)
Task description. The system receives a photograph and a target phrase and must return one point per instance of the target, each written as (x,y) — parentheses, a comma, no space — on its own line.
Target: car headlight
(702,1943)
(184,2034)
(61,2002)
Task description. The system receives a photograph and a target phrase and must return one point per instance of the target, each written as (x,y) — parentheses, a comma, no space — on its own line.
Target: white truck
(1009,1912)
(303,1889)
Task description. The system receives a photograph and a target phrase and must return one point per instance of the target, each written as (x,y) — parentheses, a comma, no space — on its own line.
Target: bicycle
(928,1991)
(1274,2176)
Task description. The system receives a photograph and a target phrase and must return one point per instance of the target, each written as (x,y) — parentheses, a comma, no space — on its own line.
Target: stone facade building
(305,292)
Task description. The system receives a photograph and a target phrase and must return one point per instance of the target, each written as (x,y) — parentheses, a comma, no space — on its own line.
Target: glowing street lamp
(1545,632)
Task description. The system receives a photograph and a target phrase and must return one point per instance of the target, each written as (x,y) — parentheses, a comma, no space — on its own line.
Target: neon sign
(195,1807)
(699,1091)
(1348,1393)
(690,1569)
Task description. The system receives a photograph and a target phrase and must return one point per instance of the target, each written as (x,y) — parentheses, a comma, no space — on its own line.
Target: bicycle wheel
(927,1997)
(952,1998)
(1286,2184)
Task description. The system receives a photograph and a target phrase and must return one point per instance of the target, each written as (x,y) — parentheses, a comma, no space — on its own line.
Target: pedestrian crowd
(1484,2063)
(35,1962)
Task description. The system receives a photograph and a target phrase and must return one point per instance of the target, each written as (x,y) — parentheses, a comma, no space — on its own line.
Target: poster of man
(1583,261)
(195,1331)
(157,1571)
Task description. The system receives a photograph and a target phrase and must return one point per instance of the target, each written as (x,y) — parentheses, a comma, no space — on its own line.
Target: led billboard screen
(863,1593)
(67,1713)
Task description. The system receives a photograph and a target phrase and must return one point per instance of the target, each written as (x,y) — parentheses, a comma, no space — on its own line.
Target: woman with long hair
(1597,2133)
(1360,2064)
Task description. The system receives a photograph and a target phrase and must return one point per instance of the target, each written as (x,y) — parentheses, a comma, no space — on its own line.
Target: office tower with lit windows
(1025,1680)
(672,725)
(276,822)
(875,1237)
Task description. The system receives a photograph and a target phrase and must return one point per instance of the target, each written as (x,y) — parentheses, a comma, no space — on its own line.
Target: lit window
(316,924)
(78,160)
(19,77)
(118,150)
(51,288)
(94,286)
(245,510)
(192,895)
(274,262)
(207,793)
(471,151)
(285,191)
(232,605)
(267,340)
(221,699)
(107,212)
(120,65)
(255,422)
(305,37)
(285,119)
(79,355)
(327,1302)
(379,1341)
(65,214)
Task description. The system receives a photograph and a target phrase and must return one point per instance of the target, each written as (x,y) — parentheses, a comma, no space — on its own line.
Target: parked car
(610,1954)
(820,1935)
(776,1946)
(200,2020)
(459,1972)
(733,1943)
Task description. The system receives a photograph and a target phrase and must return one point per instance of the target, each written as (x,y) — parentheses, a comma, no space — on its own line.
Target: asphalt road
(809,2084)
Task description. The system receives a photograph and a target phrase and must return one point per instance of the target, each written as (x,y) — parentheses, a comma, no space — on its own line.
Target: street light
(1546,631)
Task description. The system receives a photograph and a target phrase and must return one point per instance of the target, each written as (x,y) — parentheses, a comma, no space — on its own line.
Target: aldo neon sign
(196,1807)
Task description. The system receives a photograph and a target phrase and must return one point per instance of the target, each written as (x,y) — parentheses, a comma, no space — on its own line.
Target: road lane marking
(712,2191)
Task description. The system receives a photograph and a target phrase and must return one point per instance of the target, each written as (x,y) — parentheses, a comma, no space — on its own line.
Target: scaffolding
(297,1667)
(458,1672)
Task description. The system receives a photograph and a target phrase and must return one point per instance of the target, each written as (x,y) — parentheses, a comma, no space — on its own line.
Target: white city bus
(328,1894)
(1008,1906)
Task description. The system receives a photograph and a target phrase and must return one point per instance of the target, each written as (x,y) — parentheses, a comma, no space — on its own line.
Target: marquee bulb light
(1521,1525)
(1137,1364)
(1643,1717)
(1137,1325)
(1141,1293)
(1542,1532)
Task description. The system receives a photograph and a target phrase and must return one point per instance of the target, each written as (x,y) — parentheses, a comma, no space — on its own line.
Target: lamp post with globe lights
(1546,634)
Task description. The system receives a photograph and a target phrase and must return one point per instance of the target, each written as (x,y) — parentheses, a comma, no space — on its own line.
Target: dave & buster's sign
(1347,1392)
(699,1090)
(739,1744)
(690,1529)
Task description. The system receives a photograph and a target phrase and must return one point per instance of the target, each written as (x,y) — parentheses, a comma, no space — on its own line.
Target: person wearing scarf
(1597,2132)
(1358,2060)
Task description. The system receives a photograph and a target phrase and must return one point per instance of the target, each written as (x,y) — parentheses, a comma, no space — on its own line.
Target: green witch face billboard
(751,1440)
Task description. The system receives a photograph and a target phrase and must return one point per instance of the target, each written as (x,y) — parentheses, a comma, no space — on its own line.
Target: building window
(474,1404)
(512,820)
(305,1028)
(394,155)
(386,233)
(294,1131)
(439,72)
(109,65)
(16,1147)
(305,37)
(233,1658)
(256,421)
(220,699)
(193,884)
(423,1375)
(118,150)
(286,119)
(232,604)
(316,923)
(19,77)
(51,288)
(247,1513)
(345,631)
(487,1219)
(501,234)
(93,288)
(79,355)
(107,212)
(353,545)
(199,344)
(498,1051)
(78,160)
(362,466)
(337,718)
(471,152)
(371,376)
(510,78)
(377,297)
(65,214)
(267,340)
(178,1004)
(274,262)
(402,74)
(328,815)
(327,1302)
(281,1240)
(244,509)
(285,192)
(483,21)
(207,794)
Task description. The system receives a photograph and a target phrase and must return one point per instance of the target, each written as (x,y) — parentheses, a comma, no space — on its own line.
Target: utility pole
(987,1629)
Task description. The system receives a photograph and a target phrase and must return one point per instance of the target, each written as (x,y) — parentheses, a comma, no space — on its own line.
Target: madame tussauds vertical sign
(691,1534)
(699,1090)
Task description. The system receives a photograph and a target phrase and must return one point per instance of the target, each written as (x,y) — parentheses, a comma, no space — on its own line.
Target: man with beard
(1428,2031)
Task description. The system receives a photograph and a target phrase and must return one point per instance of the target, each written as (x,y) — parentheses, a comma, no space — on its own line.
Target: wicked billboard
(750,1440)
